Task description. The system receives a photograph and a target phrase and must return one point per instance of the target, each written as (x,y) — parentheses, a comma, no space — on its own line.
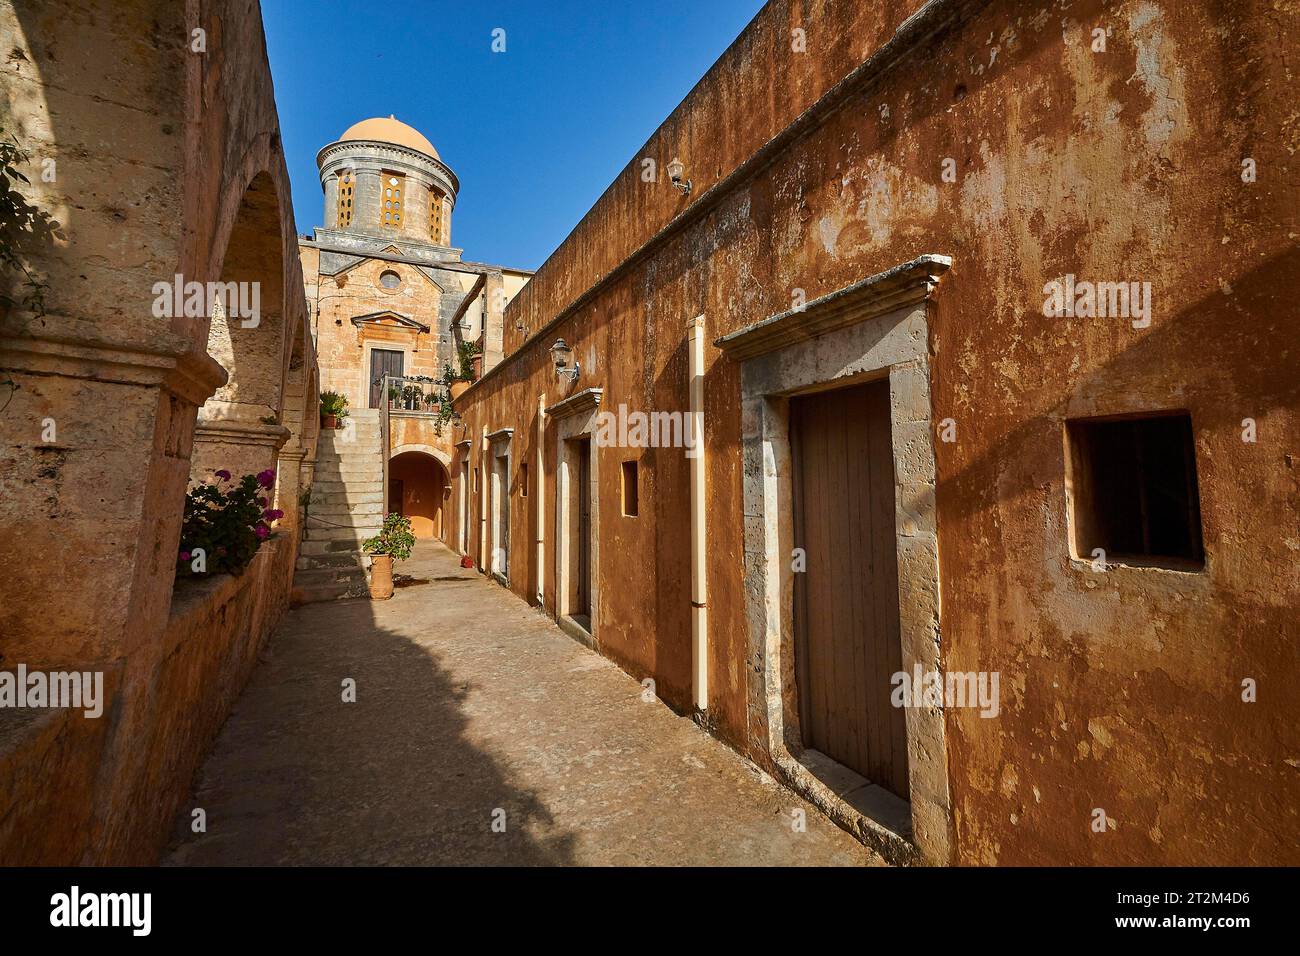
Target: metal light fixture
(561,354)
(675,172)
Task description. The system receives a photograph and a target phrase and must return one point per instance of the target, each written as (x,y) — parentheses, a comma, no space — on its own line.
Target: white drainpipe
(539,492)
(484,559)
(695,454)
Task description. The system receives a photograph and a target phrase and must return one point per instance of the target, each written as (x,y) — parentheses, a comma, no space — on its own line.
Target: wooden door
(382,362)
(464,507)
(847,643)
(582,532)
(500,515)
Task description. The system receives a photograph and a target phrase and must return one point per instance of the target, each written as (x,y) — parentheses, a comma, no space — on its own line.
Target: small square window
(1133,492)
(630,502)
(523,479)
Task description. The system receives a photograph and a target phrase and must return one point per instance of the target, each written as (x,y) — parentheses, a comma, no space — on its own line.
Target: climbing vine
(22,225)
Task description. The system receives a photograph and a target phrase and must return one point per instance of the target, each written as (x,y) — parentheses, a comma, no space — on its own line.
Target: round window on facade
(389,279)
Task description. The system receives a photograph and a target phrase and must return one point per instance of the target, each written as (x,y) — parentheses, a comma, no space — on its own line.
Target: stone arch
(241,427)
(443,458)
(419,479)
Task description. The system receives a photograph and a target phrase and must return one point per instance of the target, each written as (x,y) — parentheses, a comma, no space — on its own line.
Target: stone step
(315,577)
(332,559)
(355,436)
(345,453)
(341,513)
(355,533)
(322,546)
(356,431)
(317,593)
(349,471)
(346,494)
(345,497)
(350,475)
(332,486)
(365,512)
(363,459)
(348,455)
(331,443)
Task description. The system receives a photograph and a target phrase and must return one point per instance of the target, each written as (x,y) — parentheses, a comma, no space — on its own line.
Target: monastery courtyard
(469,701)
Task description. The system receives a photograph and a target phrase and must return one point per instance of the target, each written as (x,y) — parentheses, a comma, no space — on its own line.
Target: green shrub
(227,525)
(394,538)
(467,352)
(334,403)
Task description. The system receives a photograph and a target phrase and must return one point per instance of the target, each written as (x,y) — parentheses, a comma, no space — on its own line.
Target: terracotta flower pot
(381,577)
(329,421)
(458,389)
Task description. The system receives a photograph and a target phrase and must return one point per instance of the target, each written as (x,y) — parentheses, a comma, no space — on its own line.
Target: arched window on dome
(435,216)
(392,199)
(346,185)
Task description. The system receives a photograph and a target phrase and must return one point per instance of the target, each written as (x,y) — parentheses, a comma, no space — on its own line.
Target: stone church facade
(389,295)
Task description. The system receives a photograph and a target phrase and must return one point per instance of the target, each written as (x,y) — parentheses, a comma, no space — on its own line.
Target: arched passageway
(417,488)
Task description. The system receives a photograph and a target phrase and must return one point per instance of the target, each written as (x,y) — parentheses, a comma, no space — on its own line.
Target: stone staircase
(347,504)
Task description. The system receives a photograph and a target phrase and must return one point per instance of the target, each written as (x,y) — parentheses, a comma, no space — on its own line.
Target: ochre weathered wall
(1120,690)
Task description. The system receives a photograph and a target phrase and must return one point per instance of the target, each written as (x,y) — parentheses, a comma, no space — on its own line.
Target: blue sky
(535,134)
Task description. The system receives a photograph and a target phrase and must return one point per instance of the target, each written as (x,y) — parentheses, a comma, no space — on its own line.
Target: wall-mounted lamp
(675,173)
(561,354)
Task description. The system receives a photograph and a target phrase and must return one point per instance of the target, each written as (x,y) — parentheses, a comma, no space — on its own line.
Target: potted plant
(394,540)
(456,386)
(333,409)
(394,393)
(471,361)
(431,400)
(225,522)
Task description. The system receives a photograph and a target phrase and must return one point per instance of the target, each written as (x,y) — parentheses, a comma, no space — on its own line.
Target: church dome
(389,129)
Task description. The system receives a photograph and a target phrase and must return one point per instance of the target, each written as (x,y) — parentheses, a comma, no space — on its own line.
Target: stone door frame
(575,417)
(873,329)
(498,502)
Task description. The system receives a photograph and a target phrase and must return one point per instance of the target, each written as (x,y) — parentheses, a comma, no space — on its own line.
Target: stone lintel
(238,432)
(888,291)
(588,400)
(169,362)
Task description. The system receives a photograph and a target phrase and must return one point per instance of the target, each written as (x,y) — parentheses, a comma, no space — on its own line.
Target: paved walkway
(469,701)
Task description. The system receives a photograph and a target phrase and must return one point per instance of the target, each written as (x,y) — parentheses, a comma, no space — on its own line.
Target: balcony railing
(419,395)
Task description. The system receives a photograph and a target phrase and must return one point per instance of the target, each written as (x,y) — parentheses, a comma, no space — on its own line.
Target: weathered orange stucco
(1120,690)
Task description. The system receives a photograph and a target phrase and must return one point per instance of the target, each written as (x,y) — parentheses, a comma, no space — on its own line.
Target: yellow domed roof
(389,129)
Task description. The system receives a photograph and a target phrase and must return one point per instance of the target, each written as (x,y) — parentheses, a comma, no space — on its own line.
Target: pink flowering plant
(228,520)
